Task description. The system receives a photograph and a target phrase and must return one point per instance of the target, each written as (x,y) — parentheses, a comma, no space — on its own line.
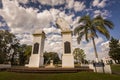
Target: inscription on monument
(67,47)
(36,48)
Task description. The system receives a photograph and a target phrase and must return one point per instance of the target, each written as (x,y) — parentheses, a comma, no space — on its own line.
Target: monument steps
(49,70)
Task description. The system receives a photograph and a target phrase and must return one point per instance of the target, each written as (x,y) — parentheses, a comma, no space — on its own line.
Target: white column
(36,59)
(67,58)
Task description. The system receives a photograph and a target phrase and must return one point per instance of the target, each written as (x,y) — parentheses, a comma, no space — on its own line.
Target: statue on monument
(62,24)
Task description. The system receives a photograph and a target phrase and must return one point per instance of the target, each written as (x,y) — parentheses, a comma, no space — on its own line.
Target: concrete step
(49,70)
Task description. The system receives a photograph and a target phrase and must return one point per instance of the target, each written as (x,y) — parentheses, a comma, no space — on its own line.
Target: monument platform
(49,70)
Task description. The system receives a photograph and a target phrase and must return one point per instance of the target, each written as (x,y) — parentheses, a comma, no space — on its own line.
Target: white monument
(36,59)
(101,68)
(67,57)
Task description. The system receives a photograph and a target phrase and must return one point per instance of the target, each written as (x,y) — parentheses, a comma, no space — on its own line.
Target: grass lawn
(62,76)
(115,68)
(58,76)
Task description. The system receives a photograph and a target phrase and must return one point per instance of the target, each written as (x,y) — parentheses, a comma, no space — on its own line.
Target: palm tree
(90,27)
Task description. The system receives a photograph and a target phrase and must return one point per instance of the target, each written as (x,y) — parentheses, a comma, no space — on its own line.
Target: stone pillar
(36,59)
(67,57)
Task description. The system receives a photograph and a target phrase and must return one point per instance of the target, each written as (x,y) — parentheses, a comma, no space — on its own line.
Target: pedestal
(67,57)
(36,59)
(67,61)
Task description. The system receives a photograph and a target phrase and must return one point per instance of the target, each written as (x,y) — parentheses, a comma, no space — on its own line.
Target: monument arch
(37,60)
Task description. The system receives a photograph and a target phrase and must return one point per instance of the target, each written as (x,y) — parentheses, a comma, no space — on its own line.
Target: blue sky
(22,17)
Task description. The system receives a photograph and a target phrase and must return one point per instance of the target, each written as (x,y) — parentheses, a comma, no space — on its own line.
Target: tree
(22,54)
(51,56)
(114,51)
(79,55)
(90,27)
(27,53)
(11,50)
(6,39)
(15,55)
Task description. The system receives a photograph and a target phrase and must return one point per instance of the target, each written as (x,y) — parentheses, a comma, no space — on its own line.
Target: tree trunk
(96,55)
(12,59)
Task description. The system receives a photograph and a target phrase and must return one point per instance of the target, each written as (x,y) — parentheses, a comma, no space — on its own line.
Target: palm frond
(109,24)
(80,37)
(84,19)
(86,33)
(103,30)
(78,29)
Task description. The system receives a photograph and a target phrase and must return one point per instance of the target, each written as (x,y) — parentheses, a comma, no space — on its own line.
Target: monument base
(5,66)
(35,61)
(101,69)
(67,61)
(50,66)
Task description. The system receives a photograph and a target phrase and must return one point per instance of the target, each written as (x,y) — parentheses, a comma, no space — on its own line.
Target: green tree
(21,54)
(90,27)
(27,53)
(51,56)
(79,55)
(15,55)
(6,39)
(114,51)
(24,52)
(11,50)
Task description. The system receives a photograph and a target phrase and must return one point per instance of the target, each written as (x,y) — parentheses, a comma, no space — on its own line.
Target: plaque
(67,48)
(99,64)
(36,48)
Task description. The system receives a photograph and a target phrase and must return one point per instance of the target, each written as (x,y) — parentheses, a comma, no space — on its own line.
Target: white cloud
(22,1)
(70,4)
(105,49)
(76,5)
(21,19)
(25,38)
(52,2)
(79,6)
(99,4)
(51,29)
(24,20)
(102,4)
(53,43)
(104,13)
(95,2)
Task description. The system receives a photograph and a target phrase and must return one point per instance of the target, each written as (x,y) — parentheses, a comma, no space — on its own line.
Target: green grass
(115,68)
(59,76)
(62,76)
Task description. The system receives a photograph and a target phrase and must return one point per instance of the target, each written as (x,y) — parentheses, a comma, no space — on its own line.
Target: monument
(67,57)
(36,59)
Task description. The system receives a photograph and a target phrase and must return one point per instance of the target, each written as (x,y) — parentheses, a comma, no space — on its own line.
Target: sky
(23,17)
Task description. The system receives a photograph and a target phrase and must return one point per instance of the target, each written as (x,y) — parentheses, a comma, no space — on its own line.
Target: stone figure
(62,24)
